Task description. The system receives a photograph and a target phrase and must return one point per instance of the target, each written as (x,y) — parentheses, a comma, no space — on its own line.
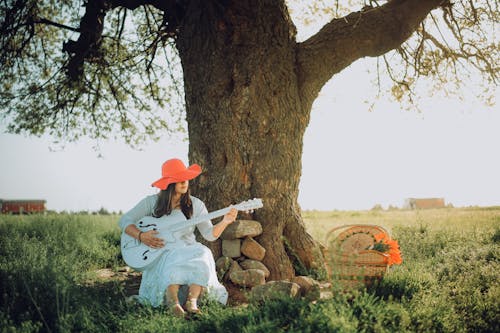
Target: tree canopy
(110,67)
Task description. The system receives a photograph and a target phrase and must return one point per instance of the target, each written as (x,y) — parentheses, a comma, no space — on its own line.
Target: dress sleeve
(205,227)
(145,207)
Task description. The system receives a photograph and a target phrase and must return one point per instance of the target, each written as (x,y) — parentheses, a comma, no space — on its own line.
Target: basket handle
(350,226)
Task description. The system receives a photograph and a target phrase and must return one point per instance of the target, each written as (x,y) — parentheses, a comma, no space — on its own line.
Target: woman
(187,262)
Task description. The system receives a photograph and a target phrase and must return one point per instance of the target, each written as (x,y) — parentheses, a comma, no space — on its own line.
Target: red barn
(22,206)
(424,203)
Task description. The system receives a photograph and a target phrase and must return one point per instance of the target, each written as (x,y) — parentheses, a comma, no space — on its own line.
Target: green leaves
(128,88)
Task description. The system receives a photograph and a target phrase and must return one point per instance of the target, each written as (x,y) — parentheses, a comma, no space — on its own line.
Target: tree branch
(92,23)
(369,32)
(91,27)
(55,24)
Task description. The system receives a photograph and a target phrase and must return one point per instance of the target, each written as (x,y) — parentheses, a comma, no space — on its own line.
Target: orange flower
(393,244)
(390,246)
(380,236)
(394,256)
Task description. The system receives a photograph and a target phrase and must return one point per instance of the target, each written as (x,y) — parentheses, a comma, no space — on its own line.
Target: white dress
(186,262)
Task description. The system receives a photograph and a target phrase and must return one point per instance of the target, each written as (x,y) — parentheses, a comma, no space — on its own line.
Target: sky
(354,156)
(359,158)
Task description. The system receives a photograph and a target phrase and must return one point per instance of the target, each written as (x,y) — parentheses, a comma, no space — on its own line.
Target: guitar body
(139,256)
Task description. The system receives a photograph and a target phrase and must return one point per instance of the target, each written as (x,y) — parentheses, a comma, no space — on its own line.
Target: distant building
(424,203)
(22,206)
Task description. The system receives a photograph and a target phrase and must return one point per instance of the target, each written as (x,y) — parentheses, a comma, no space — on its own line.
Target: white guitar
(138,255)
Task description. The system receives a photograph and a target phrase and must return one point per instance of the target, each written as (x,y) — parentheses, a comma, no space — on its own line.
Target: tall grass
(448,281)
(449,278)
(44,263)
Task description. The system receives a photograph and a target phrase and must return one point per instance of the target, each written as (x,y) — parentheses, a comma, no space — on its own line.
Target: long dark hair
(164,202)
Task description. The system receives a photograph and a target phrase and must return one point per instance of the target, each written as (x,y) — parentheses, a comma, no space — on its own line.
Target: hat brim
(191,172)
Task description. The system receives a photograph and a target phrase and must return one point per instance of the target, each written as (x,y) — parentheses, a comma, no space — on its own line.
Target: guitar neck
(184,224)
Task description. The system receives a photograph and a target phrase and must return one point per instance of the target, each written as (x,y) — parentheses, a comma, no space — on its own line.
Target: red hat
(174,171)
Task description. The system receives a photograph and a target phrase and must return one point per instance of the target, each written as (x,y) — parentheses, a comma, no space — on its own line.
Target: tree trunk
(246,120)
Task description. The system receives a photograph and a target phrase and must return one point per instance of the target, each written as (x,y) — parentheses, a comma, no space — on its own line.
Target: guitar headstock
(249,205)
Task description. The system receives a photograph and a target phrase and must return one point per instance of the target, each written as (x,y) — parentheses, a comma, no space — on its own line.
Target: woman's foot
(177,310)
(192,307)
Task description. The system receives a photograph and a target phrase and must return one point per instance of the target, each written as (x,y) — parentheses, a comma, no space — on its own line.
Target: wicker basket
(349,263)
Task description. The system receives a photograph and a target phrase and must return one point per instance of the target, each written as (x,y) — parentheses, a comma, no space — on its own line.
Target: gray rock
(248,277)
(249,264)
(222,265)
(231,248)
(274,290)
(309,288)
(242,229)
(235,267)
(252,249)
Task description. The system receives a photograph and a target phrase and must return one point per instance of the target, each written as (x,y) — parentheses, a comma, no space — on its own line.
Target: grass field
(448,281)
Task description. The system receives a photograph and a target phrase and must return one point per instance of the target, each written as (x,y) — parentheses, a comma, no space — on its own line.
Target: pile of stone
(241,265)
(241,261)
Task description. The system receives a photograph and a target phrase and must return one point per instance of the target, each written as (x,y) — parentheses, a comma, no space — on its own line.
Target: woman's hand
(230,216)
(149,238)
(226,220)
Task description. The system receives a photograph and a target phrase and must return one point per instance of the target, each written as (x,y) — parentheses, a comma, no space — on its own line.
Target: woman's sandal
(177,310)
(191,307)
